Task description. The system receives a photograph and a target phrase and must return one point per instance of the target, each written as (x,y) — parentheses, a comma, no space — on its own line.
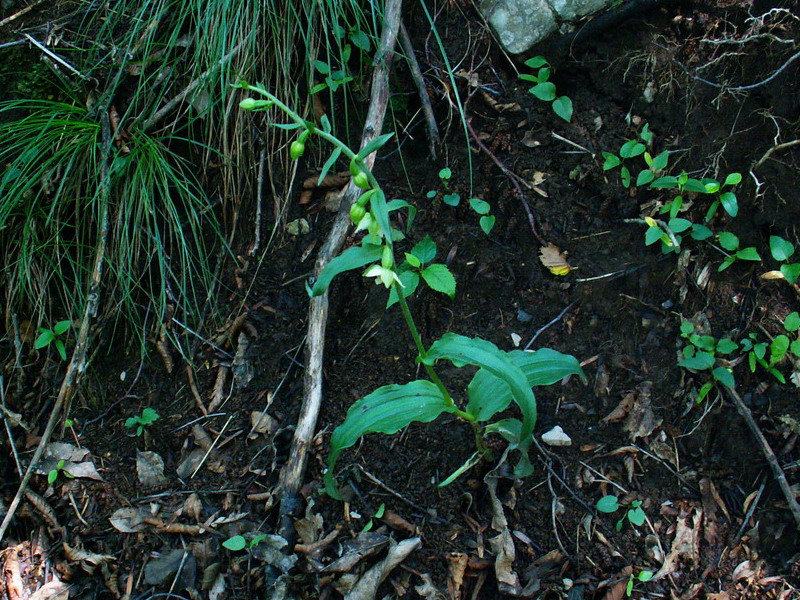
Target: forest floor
(151,514)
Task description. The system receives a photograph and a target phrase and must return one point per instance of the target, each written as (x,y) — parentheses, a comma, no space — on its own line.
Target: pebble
(556,437)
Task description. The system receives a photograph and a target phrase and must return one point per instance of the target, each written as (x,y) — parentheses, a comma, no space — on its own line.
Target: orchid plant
(502,377)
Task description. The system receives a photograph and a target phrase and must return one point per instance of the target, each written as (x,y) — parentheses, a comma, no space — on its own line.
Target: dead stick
(416,74)
(77,365)
(294,470)
(777,471)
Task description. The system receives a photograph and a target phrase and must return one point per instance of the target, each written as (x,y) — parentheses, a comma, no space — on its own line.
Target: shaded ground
(693,466)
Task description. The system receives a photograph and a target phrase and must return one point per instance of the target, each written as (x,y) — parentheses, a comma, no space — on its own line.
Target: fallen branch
(416,74)
(293,471)
(77,365)
(777,471)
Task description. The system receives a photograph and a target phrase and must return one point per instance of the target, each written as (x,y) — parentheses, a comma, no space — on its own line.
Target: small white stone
(556,437)
(516,339)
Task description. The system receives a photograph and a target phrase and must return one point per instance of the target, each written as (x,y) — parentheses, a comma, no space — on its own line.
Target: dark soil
(624,301)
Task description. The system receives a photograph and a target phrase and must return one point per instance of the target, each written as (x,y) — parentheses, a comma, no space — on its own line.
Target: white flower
(383,275)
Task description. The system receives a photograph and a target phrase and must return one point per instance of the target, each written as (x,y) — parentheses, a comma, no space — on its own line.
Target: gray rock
(571,9)
(519,24)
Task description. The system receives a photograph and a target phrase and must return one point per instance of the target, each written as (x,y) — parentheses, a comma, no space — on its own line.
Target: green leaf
(536,62)
(778,349)
(724,376)
(352,258)
(360,40)
(660,161)
(748,254)
(235,543)
(701,361)
(792,322)
(529,77)
(290,126)
(425,249)
(412,260)
(149,416)
(480,206)
(325,123)
(562,106)
(487,223)
(693,185)
(726,346)
(652,235)
(62,327)
(374,145)
(645,176)
(611,161)
(468,464)
(707,387)
(410,281)
(380,211)
(679,225)
(488,394)
(445,174)
(45,337)
(667,182)
(475,351)
(452,199)
(508,429)
(625,175)
(700,232)
(637,516)
(629,585)
(544,91)
(329,163)
(608,504)
(386,410)
(728,241)
(631,148)
(62,351)
(543,74)
(791,272)
(726,263)
(439,278)
(729,203)
(645,576)
(794,348)
(780,248)
(322,67)
(711,186)
(687,328)
(733,179)
(52,476)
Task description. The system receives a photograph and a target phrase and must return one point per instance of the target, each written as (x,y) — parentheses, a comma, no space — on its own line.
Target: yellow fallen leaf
(555,260)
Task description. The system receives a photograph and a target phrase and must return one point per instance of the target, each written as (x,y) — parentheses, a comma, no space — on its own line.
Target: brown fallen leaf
(641,420)
(398,523)
(555,260)
(622,409)
(457,563)
(685,549)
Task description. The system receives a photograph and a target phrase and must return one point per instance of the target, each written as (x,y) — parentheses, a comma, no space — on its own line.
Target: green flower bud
(361,180)
(253,104)
(357,213)
(296,150)
(387,260)
(363,200)
(354,168)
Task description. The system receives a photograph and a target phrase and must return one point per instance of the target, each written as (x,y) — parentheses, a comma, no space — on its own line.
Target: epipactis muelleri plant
(502,377)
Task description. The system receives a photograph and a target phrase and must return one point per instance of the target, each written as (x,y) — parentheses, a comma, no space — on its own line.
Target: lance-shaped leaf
(489,394)
(386,410)
(374,145)
(462,350)
(352,258)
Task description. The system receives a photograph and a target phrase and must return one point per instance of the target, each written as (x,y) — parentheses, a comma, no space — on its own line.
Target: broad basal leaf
(489,395)
(352,258)
(386,410)
(462,350)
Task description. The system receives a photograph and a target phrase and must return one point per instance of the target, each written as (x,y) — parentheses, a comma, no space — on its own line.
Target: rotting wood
(293,471)
(78,362)
(434,141)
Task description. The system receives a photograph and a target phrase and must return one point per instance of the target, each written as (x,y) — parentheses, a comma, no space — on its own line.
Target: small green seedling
(545,89)
(238,542)
(730,242)
(634,512)
(378,515)
(782,250)
(642,576)
(631,149)
(778,348)
(147,418)
(54,336)
(52,475)
(481,207)
(700,354)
